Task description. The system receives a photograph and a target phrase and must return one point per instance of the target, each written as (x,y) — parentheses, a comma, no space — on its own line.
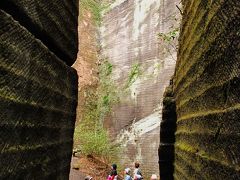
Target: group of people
(137,174)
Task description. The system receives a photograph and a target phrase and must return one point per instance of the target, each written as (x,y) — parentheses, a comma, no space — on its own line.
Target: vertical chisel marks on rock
(130,39)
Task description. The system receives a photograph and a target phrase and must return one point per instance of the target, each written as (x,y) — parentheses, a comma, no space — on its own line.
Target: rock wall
(206,89)
(129,38)
(87,59)
(54,23)
(38,91)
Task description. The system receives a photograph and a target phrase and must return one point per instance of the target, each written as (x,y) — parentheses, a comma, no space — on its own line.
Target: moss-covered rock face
(54,22)
(206,88)
(38,93)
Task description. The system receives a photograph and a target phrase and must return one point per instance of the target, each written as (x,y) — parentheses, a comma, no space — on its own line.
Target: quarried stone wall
(206,89)
(131,43)
(38,91)
(53,22)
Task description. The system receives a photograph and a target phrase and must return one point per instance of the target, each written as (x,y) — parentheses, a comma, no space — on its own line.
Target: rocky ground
(83,166)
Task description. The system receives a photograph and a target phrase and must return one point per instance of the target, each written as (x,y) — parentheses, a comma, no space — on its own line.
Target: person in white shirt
(137,174)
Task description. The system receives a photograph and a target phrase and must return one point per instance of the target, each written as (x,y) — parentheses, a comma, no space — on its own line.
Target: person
(88,178)
(154,177)
(137,174)
(113,174)
(127,174)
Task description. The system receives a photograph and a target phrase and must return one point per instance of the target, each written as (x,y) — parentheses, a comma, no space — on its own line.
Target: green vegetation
(107,91)
(95,141)
(95,7)
(133,75)
(93,137)
(169,40)
(171,35)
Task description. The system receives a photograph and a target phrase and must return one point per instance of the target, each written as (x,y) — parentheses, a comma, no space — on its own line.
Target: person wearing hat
(127,174)
(113,174)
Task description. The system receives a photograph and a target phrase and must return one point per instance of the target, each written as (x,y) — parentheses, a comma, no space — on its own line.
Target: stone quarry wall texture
(206,89)
(129,38)
(54,23)
(38,91)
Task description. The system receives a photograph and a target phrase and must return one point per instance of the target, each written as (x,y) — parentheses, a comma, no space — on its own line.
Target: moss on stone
(38,93)
(206,90)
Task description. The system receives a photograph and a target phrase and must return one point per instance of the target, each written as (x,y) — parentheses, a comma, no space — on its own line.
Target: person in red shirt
(113,174)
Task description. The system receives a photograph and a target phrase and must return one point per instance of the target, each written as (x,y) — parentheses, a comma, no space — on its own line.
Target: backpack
(139,173)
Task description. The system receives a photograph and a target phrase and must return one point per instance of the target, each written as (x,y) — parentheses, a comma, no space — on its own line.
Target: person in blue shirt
(127,174)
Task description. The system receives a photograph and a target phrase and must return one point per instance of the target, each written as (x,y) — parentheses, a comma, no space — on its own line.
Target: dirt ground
(74,173)
(83,166)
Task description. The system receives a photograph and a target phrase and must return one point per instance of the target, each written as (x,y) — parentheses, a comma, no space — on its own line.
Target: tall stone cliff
(206,88)
(130,42)
(38,90)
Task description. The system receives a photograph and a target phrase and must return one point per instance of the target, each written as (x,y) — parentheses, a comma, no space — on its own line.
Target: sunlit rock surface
(129,37)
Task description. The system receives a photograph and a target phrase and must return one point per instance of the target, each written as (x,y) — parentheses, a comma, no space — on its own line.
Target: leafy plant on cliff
(171,35)
(94,138)
(135,72)
(107,91)
(169,39)
(95,7)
